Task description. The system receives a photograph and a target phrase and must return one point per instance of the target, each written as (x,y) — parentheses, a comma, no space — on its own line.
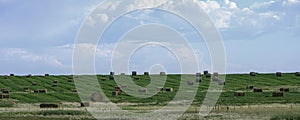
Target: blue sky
(37,37)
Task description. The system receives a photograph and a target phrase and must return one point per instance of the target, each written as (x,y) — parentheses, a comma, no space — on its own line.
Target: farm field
(24,100)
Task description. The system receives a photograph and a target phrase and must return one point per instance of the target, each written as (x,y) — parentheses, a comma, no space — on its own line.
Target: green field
(234,82)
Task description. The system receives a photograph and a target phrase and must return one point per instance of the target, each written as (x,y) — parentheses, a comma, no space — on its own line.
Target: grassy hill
(234,82)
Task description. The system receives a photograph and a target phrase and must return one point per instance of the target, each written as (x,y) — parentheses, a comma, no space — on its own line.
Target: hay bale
(55,81)
(160,89)
(297,73)
(111,77)
(222,82)
(146,73)
(238,94)
(36,91)
(103,79)
(257,90)
(250,87)
(284,89)
(215,74)
(116,93)
(190,82)
(70,80)
(42,91)
(85,104)
(5,91)
(208,75)
(278,74)
(5,96)
(112,73)
(46,75)
(143,90)
(49,105)
(162,73)
(277,94)
(198,79)
(34,84)
(134,73)
(25,88)
(205,72)
(253,73)
(169,89)
(96,97)
(11,75)
(117,88)
(74,90)
(198,74)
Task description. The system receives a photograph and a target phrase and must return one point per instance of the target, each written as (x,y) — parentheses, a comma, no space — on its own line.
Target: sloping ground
(235,82)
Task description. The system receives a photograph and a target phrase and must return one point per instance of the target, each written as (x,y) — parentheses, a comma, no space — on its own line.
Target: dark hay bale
(103,79)
(116,93)
(198,79)
(278,74)
(221,82)
(46,75)
(54,85)
(216,74)
(85,104)
(146,73)
(11,75)
(55,81)
(25,88)
(36,91)
(96,97)
(284,89)
(277,94)
(239,93)
(160,89)
(112,73)
(42,91)
(49,105)
(169,89)
(198,74)
(257,90)
(111,77)
(162,73)
(28,76)
(297,73)
(205,72)
(70,80)
(208,75)
(253,73)
(34,84)
(74,90)
(250,87)
(190,82)
(134,73)
(117,88)
(5,91)
(5,96)
(143,90)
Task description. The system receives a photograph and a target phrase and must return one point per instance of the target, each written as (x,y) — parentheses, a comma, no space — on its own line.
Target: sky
(37,37)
